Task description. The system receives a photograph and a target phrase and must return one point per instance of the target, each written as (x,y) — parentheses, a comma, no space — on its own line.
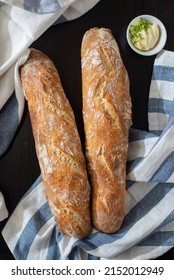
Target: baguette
(107,119)
(58,146)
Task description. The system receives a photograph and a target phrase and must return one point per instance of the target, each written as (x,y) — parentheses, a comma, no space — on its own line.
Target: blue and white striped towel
(148,229)
(21,23)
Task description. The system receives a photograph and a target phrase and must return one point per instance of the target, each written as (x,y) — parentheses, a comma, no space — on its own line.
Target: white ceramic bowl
(161,42)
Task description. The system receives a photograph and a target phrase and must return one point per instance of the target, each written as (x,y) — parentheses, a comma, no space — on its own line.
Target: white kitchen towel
(19,29)
(21,23)
(148,228)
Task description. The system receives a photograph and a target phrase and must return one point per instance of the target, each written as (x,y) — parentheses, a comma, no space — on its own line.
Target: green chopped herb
(135,30)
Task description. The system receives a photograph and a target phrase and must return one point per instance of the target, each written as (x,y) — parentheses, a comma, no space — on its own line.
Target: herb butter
(144,34)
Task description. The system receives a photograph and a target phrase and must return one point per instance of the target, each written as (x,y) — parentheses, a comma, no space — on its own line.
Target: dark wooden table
(19,166)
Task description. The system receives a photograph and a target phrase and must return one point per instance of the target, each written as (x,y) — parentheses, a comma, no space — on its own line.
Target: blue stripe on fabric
(156,132)
(145,205)
(149,201)
(74,254)
(136,135)
(41,6)
(168,220)
(30,231)
(165,170)
(9,122)
(87,243)
(91,257)
(132,164)
(53,249)
(163,73)
(165,238)
(150,241)
(158,105)
(171,118)
(160,190)
(170,125)
(61,19)
(129,184)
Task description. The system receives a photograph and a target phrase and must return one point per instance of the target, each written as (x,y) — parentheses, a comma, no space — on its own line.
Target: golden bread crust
(107,119)
(58,145)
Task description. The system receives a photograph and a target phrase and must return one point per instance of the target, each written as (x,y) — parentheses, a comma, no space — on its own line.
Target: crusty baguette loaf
(58,146)
(107,119)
